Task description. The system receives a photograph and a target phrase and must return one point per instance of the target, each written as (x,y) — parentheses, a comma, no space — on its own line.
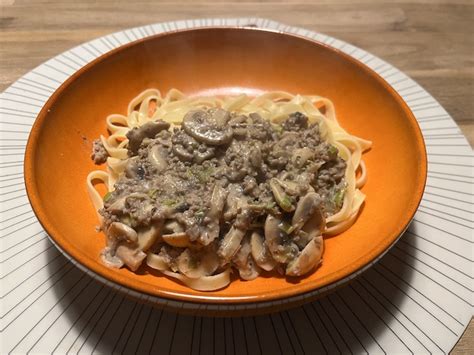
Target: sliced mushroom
(157,157)
(210,231)
(308,207)
(207,154)
(195,265)
(260,252)
(148,130)
(177,239)
(132,257)
(248,270)
(117,206)
(230,244)
(301,156)
(200,125)
(109,258)
(118,232)
(281,247)
(283,200)
(309,257)
(148,237)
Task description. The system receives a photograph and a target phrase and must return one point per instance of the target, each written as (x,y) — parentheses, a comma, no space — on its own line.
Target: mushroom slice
(148,130)
(281,247)
(147,237)
(200,125)
(309,257)
(283,200)
(230,244)
(248,270)
(308,207)
(132,257)
(121,232)
(178,239)
(211,231)
(260,252)
(157,261)
(197,264)
(157,157)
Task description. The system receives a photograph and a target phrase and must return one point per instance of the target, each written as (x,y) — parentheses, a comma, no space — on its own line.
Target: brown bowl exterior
(223,61)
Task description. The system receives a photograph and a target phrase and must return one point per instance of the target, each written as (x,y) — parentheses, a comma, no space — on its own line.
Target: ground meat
(252,159)
(99,153)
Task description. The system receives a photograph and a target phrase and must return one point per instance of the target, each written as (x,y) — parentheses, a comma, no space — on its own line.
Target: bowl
(225,61)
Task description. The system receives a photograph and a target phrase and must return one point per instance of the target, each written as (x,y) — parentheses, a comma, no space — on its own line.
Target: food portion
(202,186)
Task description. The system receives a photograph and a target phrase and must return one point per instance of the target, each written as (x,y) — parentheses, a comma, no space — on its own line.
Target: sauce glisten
(223,190)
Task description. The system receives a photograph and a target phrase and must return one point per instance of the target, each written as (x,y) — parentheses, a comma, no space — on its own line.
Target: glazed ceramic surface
(225,61)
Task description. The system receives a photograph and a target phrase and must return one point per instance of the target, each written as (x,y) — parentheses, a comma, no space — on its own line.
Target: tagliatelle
(275,106)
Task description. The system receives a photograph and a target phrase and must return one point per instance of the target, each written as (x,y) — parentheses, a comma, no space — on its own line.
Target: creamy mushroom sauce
(224,189)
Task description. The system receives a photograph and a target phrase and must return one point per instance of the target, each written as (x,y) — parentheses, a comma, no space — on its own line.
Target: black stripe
(258,336)
(448,198)
(64,295)
(30,276)
(26,262)
(442,129)
(20,102)
(436,282)
(64,310)
(109,292)
(335,327)
(433,257)
(46,77)
(419,98)
(24,240)
(447,219)
(435,119)
(99,318)
(449,174)
(66,64)
(19,229)
(277,337)
(399,81)
(346,323)
(446,213)
(124,326)
(378,316)
(450,190)
(37,84)
(108,324)
(21,173)
(399,310)
(93,55)
(11,192)
(445,179)
(384,276)
(440,246)
(24,249)
(12,208)
(442,230)
(313,306)
(424,108)
(11,199)
(17,123)
(16,115)
(57,70)
(12,179)
(79,64)
(294,331)
(82,59)
(17,110)
(145,327)
(126,35)
(382,72)
(11,154)
(5,186)
(409,88)
(192,334)
(431,267)
(286,332)
(358,319)
(17,223)
(91,302)
(174,330)
(24,96)
(444,136)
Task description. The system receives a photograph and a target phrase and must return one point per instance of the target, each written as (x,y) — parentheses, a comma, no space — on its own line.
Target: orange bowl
(225,61)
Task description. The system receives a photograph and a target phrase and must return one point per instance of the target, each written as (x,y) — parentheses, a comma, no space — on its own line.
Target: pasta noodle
(274,106)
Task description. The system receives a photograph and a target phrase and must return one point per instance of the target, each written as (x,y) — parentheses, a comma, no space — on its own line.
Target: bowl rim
(298,290)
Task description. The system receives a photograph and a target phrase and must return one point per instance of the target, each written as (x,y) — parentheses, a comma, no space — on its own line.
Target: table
(431,41)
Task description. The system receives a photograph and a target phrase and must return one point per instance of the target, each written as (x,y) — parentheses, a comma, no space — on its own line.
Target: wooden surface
(432,41)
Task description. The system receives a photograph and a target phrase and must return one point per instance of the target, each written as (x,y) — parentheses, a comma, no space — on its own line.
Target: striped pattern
(417,298)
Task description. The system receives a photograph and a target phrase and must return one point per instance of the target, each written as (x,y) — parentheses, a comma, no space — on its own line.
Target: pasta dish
(201,186)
